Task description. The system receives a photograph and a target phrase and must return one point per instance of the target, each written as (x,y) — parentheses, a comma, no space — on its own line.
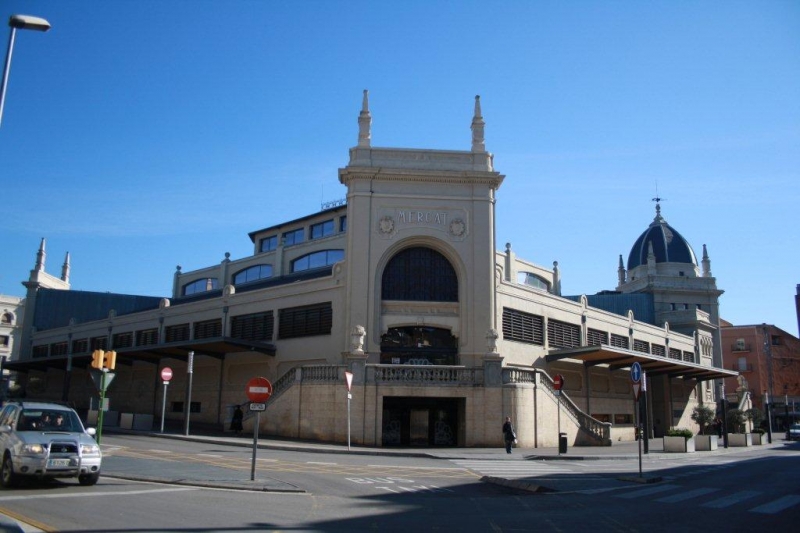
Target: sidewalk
(220,477)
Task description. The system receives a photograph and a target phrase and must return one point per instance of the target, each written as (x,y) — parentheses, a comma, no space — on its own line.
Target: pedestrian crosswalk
(518,469)
(668,492)
(714,498)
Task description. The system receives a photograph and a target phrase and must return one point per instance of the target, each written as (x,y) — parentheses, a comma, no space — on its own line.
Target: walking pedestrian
(508,434)
(236,421)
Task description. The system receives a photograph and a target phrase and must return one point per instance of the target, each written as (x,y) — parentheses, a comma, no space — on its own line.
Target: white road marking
(675,498)
(319,463)
(778,505)
(732,499)
(95,494)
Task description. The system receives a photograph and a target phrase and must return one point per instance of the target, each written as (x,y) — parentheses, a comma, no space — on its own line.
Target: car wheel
(88,479)
(7,476)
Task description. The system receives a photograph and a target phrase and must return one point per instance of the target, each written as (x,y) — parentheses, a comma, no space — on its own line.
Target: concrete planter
(740,439)
(706,443)
(678,445)
(759,438)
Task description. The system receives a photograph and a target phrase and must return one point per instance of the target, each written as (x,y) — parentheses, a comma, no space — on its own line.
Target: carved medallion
(386,225)
(457,227)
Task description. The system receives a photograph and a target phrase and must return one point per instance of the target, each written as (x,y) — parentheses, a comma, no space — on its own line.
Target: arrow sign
(636,372)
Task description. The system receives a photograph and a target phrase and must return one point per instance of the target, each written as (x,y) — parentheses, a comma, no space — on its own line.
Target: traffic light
(97,359)
(110,360)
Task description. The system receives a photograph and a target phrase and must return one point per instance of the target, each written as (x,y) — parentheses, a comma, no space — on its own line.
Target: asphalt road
(301,491)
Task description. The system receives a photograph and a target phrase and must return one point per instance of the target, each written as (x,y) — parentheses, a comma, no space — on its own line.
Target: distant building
(767,359)
(11,310)
(403,287)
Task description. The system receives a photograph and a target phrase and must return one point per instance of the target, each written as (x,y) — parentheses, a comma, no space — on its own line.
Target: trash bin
(562,443)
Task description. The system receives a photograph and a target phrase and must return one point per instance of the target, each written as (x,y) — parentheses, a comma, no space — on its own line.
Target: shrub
(680,432)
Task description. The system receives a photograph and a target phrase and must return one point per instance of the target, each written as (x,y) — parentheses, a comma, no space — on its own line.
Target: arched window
(419,274)
(532,280)
(8,318)
(252,274)
(200,285)
(317,260)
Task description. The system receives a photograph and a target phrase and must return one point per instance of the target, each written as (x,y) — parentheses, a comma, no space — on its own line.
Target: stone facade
(404,287)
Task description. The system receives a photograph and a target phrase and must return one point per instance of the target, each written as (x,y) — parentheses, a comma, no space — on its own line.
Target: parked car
(794,432)
(46,440)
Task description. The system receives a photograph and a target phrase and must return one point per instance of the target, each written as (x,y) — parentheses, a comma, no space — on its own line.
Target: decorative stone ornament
(357,335)
(386,225)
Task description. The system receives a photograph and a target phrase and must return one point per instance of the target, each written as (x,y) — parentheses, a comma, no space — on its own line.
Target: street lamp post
(22,22)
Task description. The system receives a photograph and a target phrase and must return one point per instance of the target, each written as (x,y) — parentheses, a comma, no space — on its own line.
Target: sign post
(348,377)
(166,375)
(258,391)
(636,382)
(188,402)
(558,383)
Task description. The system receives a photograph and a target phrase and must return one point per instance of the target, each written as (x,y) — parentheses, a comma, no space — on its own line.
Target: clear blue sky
(141,135)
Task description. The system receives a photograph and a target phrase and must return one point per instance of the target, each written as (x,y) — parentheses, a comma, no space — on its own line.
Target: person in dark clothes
(236,421)
(508,434)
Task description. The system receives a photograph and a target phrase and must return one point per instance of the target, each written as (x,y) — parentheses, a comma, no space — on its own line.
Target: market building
(406,286)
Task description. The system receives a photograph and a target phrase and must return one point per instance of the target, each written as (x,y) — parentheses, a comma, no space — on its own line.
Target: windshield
(48,420)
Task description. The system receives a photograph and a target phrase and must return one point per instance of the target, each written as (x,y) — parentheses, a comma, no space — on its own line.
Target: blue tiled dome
(668,245)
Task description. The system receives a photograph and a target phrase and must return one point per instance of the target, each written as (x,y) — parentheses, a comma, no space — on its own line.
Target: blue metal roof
(55,308)
(619,303)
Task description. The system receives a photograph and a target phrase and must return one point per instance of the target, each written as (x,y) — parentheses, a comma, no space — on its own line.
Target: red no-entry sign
(558,381)
(258,390)
(166,373)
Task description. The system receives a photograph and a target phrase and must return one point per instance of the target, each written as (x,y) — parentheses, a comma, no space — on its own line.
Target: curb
(515,484)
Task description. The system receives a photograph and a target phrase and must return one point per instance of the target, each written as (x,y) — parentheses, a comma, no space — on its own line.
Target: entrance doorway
(409,421)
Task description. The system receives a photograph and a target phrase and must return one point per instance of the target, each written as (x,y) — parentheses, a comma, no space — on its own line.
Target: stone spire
(651,259)
(706,263)
(364,123)
(65,269)
(40,257)
(621,271)
(478,144)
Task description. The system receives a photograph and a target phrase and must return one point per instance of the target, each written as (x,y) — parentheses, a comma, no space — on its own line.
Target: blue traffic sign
(636,372)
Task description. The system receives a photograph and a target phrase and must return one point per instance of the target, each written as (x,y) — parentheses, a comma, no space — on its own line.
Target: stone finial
(556,279)
(364,123)
(706,263)
(621,271)
(40,256)
(65,269)
(357,335)
(478,142)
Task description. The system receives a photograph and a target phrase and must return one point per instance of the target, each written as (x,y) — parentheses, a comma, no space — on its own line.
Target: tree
(703,416)
(735,419)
